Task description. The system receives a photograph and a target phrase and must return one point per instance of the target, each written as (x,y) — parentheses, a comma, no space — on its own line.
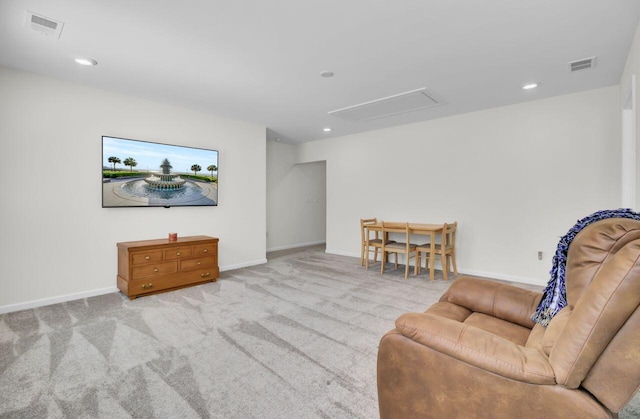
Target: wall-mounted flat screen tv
(147,174)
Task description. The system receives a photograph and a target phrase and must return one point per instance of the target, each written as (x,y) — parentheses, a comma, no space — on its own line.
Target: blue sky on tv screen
(149,156)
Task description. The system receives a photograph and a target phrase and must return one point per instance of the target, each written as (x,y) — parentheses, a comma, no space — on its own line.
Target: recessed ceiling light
(327,74)
(529,86)
(86,61)
(327,129)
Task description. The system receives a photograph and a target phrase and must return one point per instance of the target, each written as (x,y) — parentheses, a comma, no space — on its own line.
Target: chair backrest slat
(386,226)
(449,235)
(364,231)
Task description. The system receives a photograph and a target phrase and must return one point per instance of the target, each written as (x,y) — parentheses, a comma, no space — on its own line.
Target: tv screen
(146,174)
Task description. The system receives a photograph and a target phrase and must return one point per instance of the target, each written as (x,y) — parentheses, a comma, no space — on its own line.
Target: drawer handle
(155,269)
(205,250)
(177,253)
(147,257)
(199,263)
(145,286)
(204,275)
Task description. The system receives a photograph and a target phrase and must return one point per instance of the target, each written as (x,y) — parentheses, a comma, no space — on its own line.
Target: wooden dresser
(151,266)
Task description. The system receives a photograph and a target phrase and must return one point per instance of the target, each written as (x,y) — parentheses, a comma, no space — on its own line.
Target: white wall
(515,178)
(296,199)
(632,67)
(57,241)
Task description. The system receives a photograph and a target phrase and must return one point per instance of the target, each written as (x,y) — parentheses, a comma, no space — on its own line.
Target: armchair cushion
(507,330)
(477,347)
(503,301)
(555,328)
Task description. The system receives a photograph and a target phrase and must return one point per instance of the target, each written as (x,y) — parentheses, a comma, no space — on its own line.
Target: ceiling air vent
(44,25)
(388,106)
(582,64)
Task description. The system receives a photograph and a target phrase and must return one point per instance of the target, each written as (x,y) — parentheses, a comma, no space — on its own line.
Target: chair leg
(362,255)
(375,254)
(396,261)
(447,256)
(383,255)
(366,261)
(453,261)
(416,268)
(445,266)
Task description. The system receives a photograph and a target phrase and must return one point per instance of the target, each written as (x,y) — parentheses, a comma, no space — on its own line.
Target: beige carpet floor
(295,338)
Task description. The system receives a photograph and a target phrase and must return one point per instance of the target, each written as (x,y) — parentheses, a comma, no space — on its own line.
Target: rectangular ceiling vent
(388,106)
(44,25)
(582,64)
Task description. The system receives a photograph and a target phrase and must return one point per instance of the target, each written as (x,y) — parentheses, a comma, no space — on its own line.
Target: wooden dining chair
(446,249)
(369,243)
(406,247)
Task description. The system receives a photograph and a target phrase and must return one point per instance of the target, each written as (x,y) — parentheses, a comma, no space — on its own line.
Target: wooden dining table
(431,230)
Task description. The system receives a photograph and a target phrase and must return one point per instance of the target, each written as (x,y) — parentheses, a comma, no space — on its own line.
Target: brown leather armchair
(477,354)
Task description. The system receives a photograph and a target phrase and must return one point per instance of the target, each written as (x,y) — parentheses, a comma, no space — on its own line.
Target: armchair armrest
(503,301)
(477,347)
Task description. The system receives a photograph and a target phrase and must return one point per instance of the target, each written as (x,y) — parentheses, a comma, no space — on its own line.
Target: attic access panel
(388,106)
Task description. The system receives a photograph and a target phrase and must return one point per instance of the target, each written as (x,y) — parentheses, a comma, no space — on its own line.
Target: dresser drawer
(190,264)
(177,253)
(146,257)
(153,269)
(205,250)
(207,274)
(153,285)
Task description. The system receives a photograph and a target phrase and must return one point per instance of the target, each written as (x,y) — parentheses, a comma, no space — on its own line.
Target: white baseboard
(523,280)
(243,265)
(92,293)
(341,253)
(295,246)
(57,299)
(520,279)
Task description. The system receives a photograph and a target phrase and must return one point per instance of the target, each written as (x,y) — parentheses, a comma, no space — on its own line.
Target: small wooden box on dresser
(151,266)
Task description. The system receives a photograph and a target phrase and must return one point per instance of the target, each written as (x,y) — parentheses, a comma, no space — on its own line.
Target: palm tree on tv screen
(196,168)
(130,161)
(114,160)
(212,168)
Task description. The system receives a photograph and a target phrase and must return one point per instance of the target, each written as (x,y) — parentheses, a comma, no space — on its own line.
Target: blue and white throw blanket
(554,297)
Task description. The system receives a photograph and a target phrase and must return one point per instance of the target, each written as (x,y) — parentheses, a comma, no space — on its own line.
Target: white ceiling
(260,60)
